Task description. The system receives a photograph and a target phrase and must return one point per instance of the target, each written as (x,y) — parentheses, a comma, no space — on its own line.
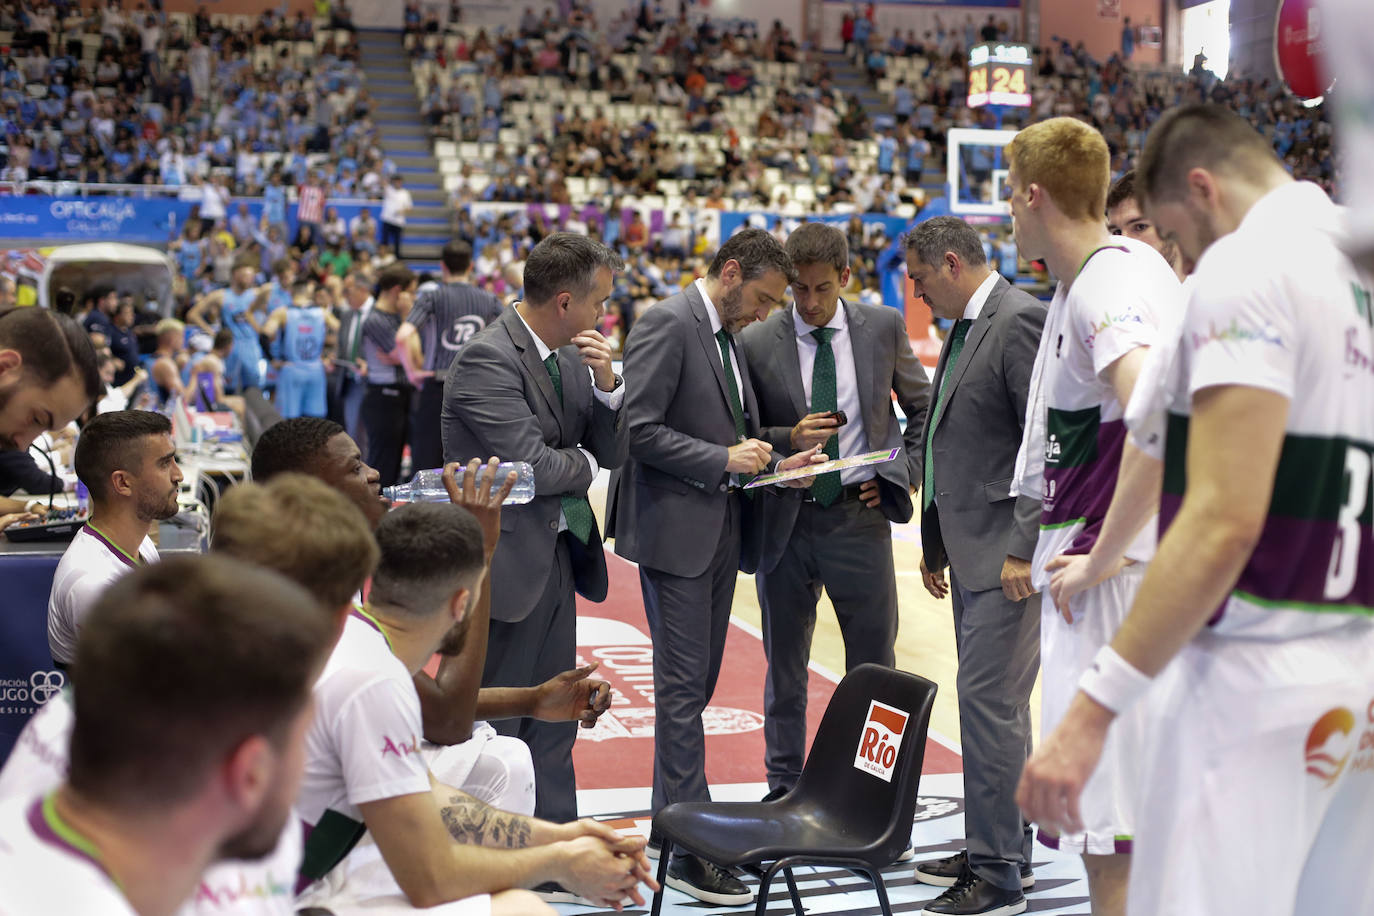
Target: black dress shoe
(946,872)
(707,881)
(776,793)
(975,896)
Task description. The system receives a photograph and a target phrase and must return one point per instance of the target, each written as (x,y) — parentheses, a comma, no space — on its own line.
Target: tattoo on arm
(470,821)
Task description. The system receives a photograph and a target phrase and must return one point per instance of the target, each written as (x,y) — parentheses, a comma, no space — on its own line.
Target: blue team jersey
(303,335)
(234,316)
(279,298)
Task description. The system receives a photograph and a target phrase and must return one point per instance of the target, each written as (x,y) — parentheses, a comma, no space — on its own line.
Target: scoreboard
(999,74)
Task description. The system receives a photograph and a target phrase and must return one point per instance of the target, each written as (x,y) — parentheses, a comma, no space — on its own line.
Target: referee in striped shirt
(446,316)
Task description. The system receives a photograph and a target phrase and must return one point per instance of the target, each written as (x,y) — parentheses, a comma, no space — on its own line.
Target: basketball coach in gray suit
(676,507)
(521,390)
(971,524)
(808,360)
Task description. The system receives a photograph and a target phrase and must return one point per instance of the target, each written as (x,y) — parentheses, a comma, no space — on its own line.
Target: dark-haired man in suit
(537,385)
(676,508)
(970,523)
(809,360)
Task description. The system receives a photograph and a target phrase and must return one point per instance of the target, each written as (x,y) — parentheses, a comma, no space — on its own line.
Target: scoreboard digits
(999,74)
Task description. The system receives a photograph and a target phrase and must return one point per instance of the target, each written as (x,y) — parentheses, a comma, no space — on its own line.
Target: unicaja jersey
(38,764)
(1121,296)
(1276,305)
(90,563)
(45,867)
(303,334)
(363,745)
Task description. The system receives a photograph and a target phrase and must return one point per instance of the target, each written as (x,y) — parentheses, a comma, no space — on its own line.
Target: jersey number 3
(1345,557)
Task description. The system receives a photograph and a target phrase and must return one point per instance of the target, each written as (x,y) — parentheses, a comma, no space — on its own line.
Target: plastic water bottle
(83,499)
(428,486)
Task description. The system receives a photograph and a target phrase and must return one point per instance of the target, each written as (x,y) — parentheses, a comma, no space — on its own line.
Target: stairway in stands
(405,138)
(850,79)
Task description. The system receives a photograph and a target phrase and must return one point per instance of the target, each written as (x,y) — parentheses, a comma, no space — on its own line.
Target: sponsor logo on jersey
(881,740)
(1328,745)
(263,887)
(1363,761)
(1110,321)
(401,748)
(1235,333)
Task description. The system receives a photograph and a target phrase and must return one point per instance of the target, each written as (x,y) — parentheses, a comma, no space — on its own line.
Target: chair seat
(735,833)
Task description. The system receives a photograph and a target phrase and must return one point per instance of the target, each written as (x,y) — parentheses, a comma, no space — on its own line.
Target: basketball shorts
(300,390)
(1108,803)
(1259,778)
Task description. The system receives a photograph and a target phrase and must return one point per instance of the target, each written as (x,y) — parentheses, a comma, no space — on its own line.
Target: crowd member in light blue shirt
(887,151)
(274,201)
(903,102)
(1006,257)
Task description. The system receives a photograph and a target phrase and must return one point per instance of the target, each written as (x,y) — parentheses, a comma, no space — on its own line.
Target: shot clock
(999,74)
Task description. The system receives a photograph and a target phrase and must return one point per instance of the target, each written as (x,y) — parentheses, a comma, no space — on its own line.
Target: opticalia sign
(92,219)
(881,740)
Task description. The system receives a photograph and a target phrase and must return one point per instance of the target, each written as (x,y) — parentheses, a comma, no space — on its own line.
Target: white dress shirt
(853,437)
(980,296)
(715,329)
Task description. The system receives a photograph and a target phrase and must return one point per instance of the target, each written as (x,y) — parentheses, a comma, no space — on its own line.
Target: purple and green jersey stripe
(1307,538)
(1082,458)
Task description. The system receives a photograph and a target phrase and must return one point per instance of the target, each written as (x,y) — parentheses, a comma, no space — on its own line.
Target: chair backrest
(864,768)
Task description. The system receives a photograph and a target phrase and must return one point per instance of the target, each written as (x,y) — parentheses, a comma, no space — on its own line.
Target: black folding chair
(852,808)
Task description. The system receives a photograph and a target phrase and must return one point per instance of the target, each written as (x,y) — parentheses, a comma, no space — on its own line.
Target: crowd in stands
(647,111)
(137,96)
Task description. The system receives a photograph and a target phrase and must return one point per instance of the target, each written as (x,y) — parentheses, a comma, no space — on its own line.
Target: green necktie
(723,338)
(824,398)
(577,512)
(356,337)
(956,346)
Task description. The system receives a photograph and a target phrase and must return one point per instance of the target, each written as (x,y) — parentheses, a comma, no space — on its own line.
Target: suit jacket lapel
(789,363)
(529,356)
(975,336)
(709,343)
(861,343)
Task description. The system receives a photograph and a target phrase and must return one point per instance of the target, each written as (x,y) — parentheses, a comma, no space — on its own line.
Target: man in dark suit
(807,362)
(677,510)
(971,524)
(348,377)
(537,385)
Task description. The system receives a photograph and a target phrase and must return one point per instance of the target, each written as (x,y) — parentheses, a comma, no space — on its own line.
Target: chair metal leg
(792,889)
(761,895)
(880,887)
(664,853)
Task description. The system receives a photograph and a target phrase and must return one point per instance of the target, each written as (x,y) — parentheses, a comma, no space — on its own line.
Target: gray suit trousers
(689,617)
(999,653)
(847,547)
(526,653)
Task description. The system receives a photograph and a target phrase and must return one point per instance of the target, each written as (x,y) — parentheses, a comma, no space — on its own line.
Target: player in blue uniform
(240,307)
(303,325)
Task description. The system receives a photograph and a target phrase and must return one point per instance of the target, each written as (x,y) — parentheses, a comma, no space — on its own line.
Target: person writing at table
(127,460)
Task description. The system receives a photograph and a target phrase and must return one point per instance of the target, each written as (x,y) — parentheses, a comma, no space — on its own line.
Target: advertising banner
(91,219)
